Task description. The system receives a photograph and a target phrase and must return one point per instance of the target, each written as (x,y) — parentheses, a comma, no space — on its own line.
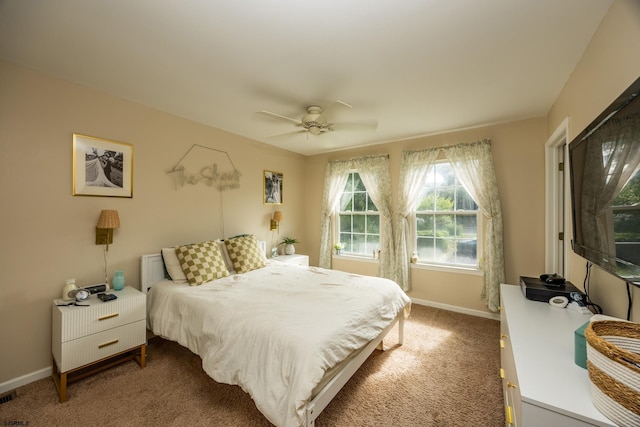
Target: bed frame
(152,271)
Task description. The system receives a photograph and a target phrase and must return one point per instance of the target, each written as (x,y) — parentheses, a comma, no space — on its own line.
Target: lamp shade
(277,216)
(108,219)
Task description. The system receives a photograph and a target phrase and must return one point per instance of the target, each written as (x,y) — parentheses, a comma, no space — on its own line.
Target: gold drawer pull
(509,415)
(109,316)
(108,343)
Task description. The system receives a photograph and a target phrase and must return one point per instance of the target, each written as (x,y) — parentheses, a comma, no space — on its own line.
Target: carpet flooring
(445,374)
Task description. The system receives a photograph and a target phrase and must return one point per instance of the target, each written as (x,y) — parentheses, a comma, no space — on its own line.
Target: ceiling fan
(317,121)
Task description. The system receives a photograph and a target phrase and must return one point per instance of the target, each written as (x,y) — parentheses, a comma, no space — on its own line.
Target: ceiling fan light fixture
(315,130)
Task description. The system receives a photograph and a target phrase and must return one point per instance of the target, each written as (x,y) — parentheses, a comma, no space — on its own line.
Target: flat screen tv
(605,188)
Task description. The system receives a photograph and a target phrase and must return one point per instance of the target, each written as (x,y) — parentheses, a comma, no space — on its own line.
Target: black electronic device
(107,297)
(554,280)
(538,290)
(605,188)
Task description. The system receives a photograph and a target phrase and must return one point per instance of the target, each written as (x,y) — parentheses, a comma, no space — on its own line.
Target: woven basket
(613,362)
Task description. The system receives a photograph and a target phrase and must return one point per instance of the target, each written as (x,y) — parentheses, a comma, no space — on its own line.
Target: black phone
(107,297)
(553,279)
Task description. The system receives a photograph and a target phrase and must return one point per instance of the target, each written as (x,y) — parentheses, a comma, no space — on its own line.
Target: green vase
(118,280)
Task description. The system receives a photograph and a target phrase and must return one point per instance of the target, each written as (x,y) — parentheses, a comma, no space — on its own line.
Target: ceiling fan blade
(269,113)
(329,110)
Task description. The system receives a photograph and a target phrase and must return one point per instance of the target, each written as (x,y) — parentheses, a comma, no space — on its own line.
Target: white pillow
(174,268)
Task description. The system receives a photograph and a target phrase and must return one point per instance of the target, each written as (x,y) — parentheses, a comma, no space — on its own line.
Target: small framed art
(102,167)
(272,186)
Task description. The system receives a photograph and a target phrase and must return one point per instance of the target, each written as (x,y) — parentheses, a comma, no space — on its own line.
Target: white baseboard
(457,309)
(25,379)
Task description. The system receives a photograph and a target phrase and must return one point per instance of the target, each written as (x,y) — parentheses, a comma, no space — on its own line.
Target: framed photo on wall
(272,186)
(102,167)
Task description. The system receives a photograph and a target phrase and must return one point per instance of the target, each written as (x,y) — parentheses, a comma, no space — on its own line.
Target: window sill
(449,269)
(355,258)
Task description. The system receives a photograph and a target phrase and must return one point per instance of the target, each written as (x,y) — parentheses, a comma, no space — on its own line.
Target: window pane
(359,202)
(370,205)
(345,223)
(373,244)
(445,226)
(346,202)
(358,224)
(444,175)
(466,226)
(358,244)
(465,202)
(424,224)
(346,239)
(426,202)
(349,185)
(357,183)
(445,250)
(466,251)
(426,249)
(373,224)
(445,199)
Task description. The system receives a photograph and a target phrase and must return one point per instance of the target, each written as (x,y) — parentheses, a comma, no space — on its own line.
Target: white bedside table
(86,340)
(297,259)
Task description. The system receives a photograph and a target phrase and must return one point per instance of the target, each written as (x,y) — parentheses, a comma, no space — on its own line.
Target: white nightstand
(297,259)
(85,340)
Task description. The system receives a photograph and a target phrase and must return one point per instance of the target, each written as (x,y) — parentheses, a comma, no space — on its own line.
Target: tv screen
(605,188)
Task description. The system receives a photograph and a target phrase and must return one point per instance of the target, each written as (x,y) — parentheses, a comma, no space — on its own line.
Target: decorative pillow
(245,253)
(172,264)
(201,262)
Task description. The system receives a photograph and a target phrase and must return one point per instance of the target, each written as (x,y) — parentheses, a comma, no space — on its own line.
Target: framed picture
(272,188)
(102,167)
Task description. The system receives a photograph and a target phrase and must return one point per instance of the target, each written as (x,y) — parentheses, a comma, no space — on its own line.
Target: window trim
(336,221)
(451,266)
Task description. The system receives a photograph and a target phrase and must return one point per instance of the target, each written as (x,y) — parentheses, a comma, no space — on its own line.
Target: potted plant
(338,247)
(289,249)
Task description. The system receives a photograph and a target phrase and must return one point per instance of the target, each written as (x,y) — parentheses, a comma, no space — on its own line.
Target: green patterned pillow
(201,262)
(245,253)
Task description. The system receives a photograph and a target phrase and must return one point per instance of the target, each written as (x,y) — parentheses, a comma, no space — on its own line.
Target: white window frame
(450,267)
(337,224)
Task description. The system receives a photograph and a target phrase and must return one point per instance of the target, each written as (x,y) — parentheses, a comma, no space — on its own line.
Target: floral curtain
(473,166)
(375,175)
(374,172)
(414,169)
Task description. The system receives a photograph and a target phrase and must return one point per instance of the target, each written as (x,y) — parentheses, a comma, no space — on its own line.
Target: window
(446,221)
(358,219)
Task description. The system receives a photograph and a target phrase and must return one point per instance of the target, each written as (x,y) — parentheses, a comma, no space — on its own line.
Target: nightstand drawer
(76,322)
(82,351)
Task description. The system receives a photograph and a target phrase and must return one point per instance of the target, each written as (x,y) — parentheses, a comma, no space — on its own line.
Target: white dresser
(87,339)
(541,382)
(297,259)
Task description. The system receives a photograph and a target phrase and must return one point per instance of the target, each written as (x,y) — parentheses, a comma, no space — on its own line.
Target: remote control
(107,297)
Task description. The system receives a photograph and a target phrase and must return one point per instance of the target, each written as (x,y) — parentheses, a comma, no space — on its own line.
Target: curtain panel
(374,172)
(473,165)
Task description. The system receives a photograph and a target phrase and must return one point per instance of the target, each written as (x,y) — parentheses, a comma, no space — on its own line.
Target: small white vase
(289,249)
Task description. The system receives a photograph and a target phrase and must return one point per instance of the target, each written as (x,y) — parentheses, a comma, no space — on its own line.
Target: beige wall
(609,65)
(518,154)
(48,234)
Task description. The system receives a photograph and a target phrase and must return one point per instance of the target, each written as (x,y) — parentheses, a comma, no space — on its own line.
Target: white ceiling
(418,67)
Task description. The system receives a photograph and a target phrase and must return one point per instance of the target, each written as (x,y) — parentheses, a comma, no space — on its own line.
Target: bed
(290,336)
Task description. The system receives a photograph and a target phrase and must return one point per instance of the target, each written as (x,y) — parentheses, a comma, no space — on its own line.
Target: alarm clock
(82,294)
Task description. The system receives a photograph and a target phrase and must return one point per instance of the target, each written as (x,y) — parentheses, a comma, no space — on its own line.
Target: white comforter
(275,331)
